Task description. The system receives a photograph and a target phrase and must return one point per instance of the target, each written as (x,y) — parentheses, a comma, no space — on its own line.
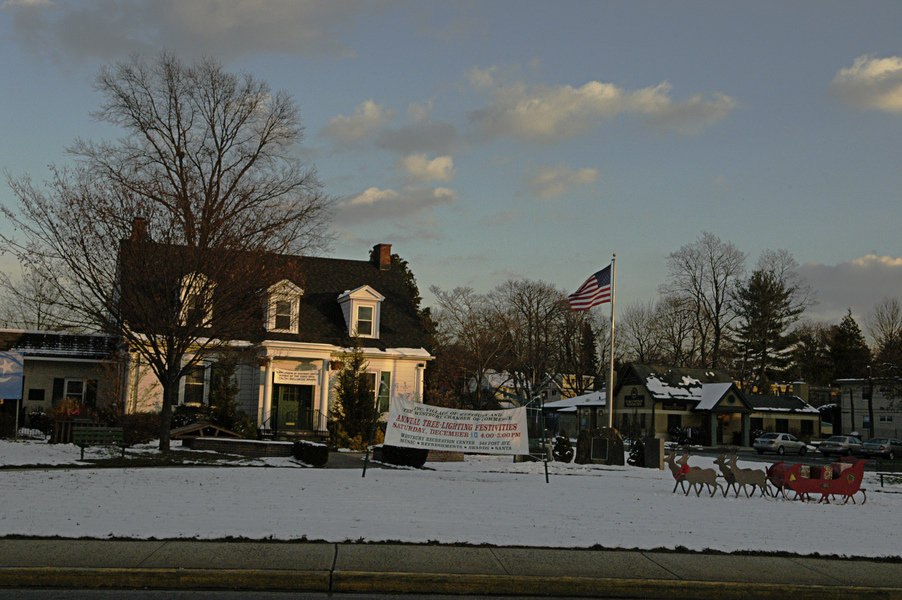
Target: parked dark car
(840,444)
(883,447)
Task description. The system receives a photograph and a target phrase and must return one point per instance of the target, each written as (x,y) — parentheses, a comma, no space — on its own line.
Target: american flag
(596,290)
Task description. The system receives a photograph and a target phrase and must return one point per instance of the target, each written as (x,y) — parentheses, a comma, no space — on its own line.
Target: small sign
(634,399)
(295,377)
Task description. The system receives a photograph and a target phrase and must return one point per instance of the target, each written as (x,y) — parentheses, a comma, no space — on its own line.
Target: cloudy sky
(490,140)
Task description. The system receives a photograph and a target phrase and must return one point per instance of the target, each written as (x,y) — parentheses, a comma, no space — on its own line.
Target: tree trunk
(170,399)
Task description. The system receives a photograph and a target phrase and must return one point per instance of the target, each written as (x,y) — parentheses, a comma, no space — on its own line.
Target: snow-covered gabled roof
(712,394)
(594,399)
(789,404)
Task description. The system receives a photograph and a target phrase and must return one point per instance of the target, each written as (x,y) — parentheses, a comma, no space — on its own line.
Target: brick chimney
(382,256)
(139,229)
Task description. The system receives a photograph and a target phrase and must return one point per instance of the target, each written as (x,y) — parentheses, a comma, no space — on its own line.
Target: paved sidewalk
(437,569)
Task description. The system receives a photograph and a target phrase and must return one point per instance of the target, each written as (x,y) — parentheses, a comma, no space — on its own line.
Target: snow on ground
(485,500)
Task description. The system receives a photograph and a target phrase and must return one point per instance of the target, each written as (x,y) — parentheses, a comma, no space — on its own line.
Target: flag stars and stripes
(596,290)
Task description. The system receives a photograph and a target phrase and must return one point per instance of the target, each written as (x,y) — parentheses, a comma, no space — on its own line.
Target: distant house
(551,388)
(784,414)
(59,365)
(655,399)
(886,398)
(577,413)
(315,309)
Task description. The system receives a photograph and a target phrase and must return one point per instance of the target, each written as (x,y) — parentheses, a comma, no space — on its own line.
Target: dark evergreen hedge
(311,453)
(404,457)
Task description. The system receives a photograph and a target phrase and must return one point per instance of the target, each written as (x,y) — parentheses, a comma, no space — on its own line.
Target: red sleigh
(842,478)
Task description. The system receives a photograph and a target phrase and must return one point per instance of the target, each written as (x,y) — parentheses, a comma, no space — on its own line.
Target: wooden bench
(98,436)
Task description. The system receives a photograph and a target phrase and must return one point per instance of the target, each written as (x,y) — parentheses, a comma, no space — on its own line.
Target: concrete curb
(201,579)
(363,582)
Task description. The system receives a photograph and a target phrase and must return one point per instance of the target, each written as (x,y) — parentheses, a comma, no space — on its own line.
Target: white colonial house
(313,314)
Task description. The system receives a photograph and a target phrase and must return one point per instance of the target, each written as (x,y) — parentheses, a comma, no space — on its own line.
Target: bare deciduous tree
(884,325)
(675,324)
(534,311)
(639,332)
(209,162)
(470,323)
(706,271)
(27,303)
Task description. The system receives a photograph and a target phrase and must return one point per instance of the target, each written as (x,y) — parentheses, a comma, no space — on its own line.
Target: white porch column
(323,401)
(421,369)
(267,397)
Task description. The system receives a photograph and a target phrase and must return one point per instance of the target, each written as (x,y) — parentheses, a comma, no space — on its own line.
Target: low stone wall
(242,447)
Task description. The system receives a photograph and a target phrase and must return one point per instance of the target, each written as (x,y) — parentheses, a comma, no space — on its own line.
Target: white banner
(418,425)
(295,377)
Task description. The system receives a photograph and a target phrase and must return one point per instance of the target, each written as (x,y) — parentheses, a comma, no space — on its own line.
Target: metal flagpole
(610,399)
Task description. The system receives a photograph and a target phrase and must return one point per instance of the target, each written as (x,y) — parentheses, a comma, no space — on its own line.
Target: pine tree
(766,309)
(811,360)
(848,352)
(351,414)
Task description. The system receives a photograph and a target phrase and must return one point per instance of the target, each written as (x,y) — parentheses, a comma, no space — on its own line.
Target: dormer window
(283,314)
(197,300)
(284,302)
(365,321)
(361,308)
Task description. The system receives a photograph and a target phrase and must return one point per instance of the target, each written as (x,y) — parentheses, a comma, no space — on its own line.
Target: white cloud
(368,117)
(419,168)
(857,284)
(871,84)
(411,204)
(547,113)
(111,28)
(551,181)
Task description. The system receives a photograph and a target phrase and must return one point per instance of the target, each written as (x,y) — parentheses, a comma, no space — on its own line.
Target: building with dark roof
(58,365)
(655,399)
(311,311)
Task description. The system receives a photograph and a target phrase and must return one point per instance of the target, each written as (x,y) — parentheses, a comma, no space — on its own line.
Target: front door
(293,407)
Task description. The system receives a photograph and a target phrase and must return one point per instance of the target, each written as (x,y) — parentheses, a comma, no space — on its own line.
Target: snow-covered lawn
(485,500)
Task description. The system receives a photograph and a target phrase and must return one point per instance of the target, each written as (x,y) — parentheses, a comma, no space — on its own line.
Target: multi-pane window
(283,314)
(365,320)
(194,385)
(383,394)
(75,390)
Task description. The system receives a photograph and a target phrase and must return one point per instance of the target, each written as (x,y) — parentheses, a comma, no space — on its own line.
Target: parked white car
(781,443)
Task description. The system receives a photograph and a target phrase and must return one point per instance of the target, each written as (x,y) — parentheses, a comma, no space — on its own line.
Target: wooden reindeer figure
(675,471)
(727,472)
(756,478)
(698,477)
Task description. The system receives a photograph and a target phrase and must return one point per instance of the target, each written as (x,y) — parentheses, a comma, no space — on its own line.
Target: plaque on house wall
(295,377)
(634,399)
